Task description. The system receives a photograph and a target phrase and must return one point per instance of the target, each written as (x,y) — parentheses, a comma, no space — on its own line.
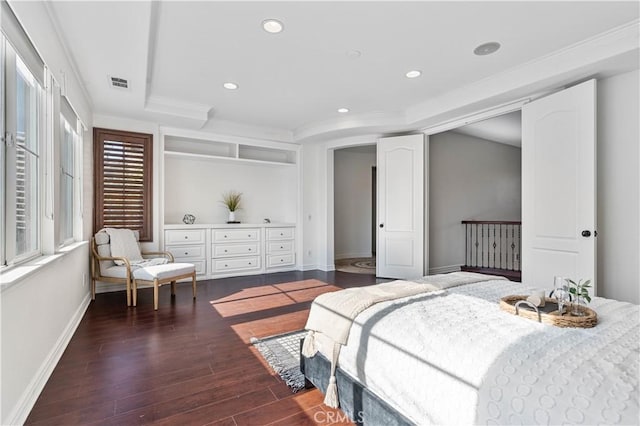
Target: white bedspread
(456,358)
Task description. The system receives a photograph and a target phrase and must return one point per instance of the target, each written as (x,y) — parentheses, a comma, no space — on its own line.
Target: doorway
(474,175)
(354,209)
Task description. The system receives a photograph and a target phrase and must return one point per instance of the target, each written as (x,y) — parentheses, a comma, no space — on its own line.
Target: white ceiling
(177,55)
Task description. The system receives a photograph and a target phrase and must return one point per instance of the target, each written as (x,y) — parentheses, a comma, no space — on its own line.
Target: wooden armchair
(105,269)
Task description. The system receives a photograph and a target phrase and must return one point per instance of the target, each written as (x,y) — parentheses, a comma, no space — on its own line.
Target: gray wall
(352,195)
(619,188)
(469,179)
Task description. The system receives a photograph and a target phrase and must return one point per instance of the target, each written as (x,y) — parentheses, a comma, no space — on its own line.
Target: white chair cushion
(163,272)
(114,271)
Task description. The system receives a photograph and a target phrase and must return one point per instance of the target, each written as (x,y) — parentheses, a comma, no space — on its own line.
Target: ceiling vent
(119,83)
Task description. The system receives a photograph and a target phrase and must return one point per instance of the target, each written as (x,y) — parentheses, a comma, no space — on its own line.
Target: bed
(453,357)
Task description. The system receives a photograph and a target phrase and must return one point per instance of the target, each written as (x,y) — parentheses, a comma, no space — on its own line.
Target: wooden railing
(493,247)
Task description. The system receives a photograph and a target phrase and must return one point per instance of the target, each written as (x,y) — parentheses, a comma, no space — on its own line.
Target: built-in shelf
(214,150)
(258,153)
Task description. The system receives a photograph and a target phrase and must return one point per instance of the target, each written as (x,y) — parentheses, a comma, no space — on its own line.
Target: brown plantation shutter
(123,192)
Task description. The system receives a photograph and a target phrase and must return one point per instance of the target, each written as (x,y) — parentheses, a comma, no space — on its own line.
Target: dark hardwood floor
(190,362)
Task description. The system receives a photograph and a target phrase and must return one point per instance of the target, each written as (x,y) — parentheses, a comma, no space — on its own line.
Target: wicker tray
(549,314)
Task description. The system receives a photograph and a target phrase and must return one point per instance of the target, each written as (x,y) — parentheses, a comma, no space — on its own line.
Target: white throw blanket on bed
(332,314)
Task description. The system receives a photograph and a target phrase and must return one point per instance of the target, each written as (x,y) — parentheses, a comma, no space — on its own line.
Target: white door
(400,182)
(559,186)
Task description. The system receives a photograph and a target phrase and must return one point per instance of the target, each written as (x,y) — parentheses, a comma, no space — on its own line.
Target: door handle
(586,233)
(382,225)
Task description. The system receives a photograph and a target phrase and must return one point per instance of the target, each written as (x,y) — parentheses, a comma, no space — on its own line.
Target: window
(67,180)
(39,208)
(22,121)
(122,178)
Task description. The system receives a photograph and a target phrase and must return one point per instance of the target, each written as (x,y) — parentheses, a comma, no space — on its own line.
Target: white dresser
(280,248)
(233,250)
(236,251)
(188,245)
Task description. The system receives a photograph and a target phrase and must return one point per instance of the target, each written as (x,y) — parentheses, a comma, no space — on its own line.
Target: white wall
(619,187)
(40,312)
(196,186)
(313,183)
(39,315)
(352,201)
(470,179)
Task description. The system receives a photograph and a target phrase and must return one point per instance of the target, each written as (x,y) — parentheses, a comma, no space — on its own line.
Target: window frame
(100,136)
(73,173)
(10,74)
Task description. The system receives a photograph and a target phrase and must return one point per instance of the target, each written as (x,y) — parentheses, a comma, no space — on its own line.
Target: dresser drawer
(280,247)
(225,250)
(187,252)
(239,235)
(280,233)
(236,264)
(275,261)
(184,236)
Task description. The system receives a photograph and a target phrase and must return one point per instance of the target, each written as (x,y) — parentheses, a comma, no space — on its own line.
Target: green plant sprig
(231,200)
(580,289)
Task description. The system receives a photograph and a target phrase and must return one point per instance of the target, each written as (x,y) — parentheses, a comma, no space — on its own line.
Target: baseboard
(444,269)
(29,397)
(309,267)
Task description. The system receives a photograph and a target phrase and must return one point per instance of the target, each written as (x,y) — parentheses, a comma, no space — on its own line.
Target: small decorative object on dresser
(189,219)
(231,200)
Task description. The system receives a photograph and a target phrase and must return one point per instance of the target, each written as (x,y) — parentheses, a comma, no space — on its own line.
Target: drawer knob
(225,265)
(281,260)
(281,247)
(186,253)
(249,263)
(225,251)
(281,234)
(186,238)
(225,236)
(249,249)
(249,235)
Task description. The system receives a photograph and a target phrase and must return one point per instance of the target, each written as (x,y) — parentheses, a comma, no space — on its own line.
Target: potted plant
(231,200)
(579,292)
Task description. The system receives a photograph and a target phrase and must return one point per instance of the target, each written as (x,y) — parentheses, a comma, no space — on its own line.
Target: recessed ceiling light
(343,110)
(272,26)
(231,86)
(414,74)
(487,48)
